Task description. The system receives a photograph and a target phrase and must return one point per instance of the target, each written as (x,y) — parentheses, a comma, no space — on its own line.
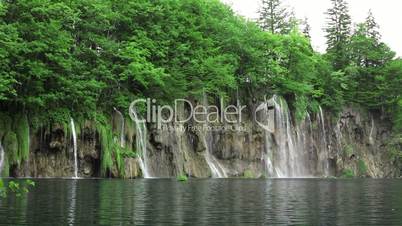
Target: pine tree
(273,17)
(372,27)
(338,33)
(306,28)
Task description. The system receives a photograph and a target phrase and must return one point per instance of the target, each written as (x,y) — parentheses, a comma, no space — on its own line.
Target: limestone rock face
(322,145)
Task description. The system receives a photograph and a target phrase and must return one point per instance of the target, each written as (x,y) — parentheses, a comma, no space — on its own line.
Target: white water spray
(122,129)
(286,150)
(1,158)
(217,170)
(371,140)
(141,142)
(324,152)
(322,120)
(74,148)
(270,129)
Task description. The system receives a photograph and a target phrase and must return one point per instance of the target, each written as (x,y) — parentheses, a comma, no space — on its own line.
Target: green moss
(5,172)
(120,161)
(16,137)
(112,154)
(248,174)
(362,167)
(21,128)
(348,150)
(106,140)
(347,173)
(5,123)
(10,145)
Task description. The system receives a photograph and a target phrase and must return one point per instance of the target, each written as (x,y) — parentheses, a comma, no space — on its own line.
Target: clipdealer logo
(201,114)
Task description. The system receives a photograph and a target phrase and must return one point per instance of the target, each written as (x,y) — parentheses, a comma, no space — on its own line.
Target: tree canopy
(81,58)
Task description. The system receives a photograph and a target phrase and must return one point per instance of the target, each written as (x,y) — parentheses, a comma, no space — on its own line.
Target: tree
(274,18)
(372,27)
(370,56)
(306,28)
(338,34)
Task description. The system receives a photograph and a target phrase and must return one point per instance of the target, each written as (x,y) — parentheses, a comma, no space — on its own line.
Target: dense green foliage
(338,34)
(16,188)
(82,57)
(113,155)
(62,59)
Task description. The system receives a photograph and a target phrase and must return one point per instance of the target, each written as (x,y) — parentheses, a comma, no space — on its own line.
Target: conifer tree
(372,27)
(338,33)
(306,28)
(273,17)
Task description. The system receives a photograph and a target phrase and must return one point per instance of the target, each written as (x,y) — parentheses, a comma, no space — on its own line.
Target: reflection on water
(207,202)
(71,209)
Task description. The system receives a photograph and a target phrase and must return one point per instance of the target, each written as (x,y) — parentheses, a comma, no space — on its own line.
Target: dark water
(207,202)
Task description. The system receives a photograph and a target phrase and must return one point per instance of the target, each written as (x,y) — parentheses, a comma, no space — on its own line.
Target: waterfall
(322,121)
(29,154)
(267,155)
(371,140)
(285,155)
(122,128)
(74,148)
(141,143)
(285,140)
(1,158)
(338,134)
(324,149)
(217,170)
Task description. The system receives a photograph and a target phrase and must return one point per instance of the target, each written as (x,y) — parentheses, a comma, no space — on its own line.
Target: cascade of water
(217,170)
(322,121)
(288,159)
(29,155)
(74,148)
(122,128)
(285,157)
(141,143)
(1,158)
(324,152)
(371,140)
(338,134)
(289,148)
(267,155)
(310,128)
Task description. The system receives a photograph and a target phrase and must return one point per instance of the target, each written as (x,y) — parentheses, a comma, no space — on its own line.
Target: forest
(81,59)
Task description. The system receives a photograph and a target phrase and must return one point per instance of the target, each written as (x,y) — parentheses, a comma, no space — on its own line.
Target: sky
(388,14)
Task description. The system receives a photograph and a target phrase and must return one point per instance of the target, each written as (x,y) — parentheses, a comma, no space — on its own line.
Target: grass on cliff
(21,128)
(112,154)
(106,141)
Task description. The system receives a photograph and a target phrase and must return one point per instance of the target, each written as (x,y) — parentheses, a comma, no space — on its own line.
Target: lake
(206,202)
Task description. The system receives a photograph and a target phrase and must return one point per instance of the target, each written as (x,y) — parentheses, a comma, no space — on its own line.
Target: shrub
(348,173)
(182,178)
(362,167)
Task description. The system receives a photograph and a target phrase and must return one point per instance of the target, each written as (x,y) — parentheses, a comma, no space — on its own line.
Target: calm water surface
(207,202)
